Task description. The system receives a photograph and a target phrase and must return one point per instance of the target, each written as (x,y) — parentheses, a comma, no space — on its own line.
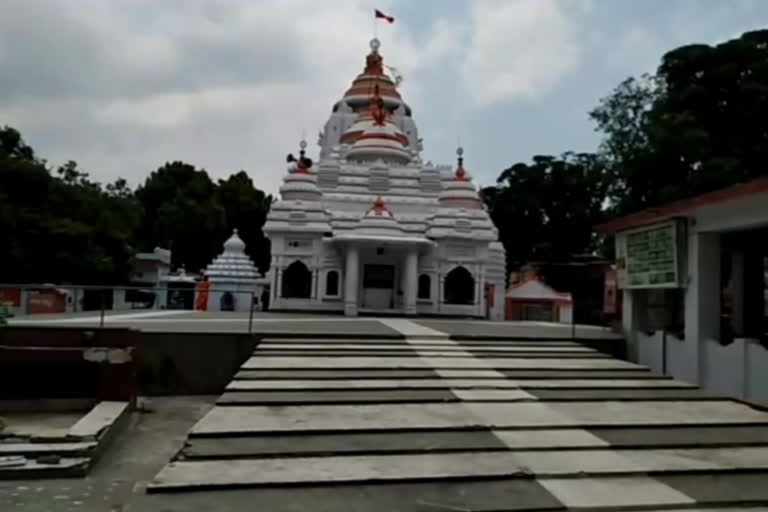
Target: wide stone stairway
(426,423)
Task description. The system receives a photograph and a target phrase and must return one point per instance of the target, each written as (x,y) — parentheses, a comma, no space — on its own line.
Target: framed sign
(649,257)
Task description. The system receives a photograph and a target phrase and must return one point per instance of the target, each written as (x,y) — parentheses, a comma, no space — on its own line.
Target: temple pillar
(411,281)
(350,281)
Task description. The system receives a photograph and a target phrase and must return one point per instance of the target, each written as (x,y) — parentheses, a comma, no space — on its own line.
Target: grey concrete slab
(620,394)
(530,363)
(635,373)
(65,467)
(549,439)
(444,346)
(366,468)
(444,496)
(469,374)
(491,342)
(493,395)
(655,413)
(346,353)
(370,373)
(683,436)
(724,488)
(329,444)
(591,384)
(234,420)
(541,330)
(337,397)
(35,449)
(307,385)
(263,363)
(334,340)
(339,362)
(634,491)
(539,355)
(101,417)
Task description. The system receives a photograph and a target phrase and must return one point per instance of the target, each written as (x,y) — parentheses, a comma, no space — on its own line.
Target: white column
(737,290)
(411,281)
(350,282)
(702,303)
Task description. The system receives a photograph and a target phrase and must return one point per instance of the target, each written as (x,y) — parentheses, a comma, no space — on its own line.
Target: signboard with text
(649,257)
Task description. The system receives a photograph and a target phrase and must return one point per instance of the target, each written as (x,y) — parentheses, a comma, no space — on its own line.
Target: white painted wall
(740,369)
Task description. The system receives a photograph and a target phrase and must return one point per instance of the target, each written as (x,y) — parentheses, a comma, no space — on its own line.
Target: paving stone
(589,385)
(427,347)
(335,341)
(444,496)
(392,467)
(483,354)
(551,439)
(342,396)
(307,385)
(657,413)
(636,373)
(294,445)
(232,420)
(721,488)
(492,395)
(257,362)
(620,394)
(684,436)
(377,373)
(632,491)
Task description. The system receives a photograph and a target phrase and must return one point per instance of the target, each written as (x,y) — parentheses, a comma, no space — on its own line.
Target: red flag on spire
(381,15)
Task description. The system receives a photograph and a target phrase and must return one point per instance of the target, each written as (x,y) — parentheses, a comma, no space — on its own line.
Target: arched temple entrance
(459,287)
(297,281)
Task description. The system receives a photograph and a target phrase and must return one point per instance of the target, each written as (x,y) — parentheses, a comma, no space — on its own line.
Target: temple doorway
(459,287)
(378,286)
(227,302)
(297,281)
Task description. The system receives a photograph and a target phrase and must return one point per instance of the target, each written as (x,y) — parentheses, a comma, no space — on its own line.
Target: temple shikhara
(371,228)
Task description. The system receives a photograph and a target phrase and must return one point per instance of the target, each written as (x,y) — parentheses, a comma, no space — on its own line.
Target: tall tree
(545,210)
(61,228)
(245,209)
(181,212)
(695,126)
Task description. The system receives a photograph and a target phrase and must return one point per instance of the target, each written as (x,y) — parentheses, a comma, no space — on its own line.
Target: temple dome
(300,183)
(460,192)
(379,221)
(233,264)
(375,136)
(373,76)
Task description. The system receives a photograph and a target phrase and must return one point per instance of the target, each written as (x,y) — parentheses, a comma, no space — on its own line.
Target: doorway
(378,286)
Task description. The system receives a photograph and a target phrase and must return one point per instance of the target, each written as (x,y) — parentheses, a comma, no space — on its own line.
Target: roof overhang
(685,207)
(378,240)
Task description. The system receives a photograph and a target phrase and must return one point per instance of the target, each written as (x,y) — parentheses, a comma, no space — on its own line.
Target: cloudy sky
(122,86)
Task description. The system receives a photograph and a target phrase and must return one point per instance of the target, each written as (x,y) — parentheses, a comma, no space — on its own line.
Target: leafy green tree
(181,212)
(696,126)
(61,228)
(246,209)
(545,210)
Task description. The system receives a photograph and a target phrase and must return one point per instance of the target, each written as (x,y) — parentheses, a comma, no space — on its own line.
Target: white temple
(235,282)
(372,229)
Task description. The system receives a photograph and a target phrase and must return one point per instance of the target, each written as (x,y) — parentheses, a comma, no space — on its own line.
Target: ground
(117,481)
(428,421)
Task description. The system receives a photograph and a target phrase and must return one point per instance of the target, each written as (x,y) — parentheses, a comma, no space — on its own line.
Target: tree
(696,126)
(58,229)
(545,210)
(181,212)
(245,209)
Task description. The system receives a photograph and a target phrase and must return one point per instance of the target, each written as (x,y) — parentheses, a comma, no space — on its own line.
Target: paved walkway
(427,423)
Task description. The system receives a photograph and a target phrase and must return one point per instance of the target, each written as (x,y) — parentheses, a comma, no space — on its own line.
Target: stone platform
(430,423)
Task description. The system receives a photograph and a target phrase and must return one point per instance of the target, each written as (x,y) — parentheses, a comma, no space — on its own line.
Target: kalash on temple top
(371,227)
